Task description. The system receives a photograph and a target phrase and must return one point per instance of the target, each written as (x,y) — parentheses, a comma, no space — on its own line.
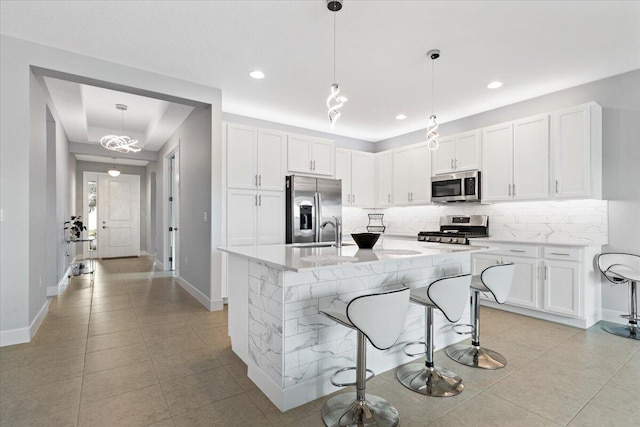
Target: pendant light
(432,126)
(120,143)
(114,170)
(334,101)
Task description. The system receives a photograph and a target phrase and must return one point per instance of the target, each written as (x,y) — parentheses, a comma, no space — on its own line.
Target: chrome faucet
(338,228)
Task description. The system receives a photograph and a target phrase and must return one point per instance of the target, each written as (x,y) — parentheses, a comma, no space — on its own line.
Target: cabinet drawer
(523,251)
(561,252)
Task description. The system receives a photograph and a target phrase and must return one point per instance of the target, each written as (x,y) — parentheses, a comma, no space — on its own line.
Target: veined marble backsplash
(567,221)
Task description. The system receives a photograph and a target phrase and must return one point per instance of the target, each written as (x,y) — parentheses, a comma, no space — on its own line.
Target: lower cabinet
(556,283)
(255,217)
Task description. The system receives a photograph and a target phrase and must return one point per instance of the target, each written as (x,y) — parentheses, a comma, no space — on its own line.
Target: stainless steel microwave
(456,187)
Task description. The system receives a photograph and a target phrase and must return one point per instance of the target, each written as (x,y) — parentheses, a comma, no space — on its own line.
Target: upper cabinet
(412,175)
(384,178)
(515,156)
(457,153)
(576,152)
(310,155)
(254,158)
(356,170)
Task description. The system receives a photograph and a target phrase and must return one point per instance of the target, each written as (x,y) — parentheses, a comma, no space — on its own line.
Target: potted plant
(75,227)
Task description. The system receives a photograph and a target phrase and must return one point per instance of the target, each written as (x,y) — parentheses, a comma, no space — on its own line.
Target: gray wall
(341,141)
(126,170)
(193,138)
(619,97)
(23,167)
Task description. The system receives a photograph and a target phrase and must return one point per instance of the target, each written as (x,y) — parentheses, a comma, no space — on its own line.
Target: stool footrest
(350,368)
(629,317)
(404,348)
(460,328)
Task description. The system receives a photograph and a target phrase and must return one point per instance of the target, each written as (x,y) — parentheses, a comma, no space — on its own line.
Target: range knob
(436,239)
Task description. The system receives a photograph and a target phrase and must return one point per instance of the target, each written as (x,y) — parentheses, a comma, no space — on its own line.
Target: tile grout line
(86,345)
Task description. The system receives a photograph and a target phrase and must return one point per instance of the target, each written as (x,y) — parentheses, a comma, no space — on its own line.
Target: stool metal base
(476,356)
(345,411)
(626,331)
(436,382)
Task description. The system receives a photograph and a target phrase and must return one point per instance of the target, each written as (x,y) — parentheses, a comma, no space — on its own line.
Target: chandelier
(432,126)
(120,143)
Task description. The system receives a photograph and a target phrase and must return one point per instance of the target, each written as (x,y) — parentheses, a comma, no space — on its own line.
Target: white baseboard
(23,335)
(59,289)
(565,320)
(209,304)
(613,316)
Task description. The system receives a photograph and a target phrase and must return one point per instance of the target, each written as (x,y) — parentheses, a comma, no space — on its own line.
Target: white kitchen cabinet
(356,170)
(516,160)
(557,283)
(254,158)
(412,175)
(576,152)
(497,161)
(383,178)
(255,217)
(312,156)
(457,153)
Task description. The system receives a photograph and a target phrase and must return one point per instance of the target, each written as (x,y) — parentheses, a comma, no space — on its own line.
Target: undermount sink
(316,245)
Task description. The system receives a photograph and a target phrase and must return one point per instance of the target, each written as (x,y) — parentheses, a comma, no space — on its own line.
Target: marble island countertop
(289,257)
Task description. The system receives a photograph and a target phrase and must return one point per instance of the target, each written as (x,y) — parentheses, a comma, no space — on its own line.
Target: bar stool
(380,318)
(449,295)
(497,281)
(623,268)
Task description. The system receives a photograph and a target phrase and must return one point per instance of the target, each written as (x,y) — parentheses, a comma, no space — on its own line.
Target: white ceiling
(88,113)
(534,47)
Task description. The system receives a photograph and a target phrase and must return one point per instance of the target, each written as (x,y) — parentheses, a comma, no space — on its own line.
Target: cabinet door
(467,151)
(562,287)
(270,217)
(443,157)
(402,176)
(421,175)
(531,158)
(241,156)
(524,288)
(241,217)
(384,168)
(362,179)
(571,152)
(497,162)
(298,154)
(343,172)
(271,146)
(322,154)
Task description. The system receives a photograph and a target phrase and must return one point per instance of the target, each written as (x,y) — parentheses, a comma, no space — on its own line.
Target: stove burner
(453,231)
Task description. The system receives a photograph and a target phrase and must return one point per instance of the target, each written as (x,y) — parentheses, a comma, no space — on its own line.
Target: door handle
(255,202)
(255,179)
(260,200)
(353,198)
(514,190)
(509,190)
(260,180)
(452,163)
(557,186)
(310,165)
(455,163)
(348,198)
(314,165)
(408,197)
(388,198)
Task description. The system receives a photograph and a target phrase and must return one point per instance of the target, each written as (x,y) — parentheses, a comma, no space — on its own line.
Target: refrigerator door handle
(317,200)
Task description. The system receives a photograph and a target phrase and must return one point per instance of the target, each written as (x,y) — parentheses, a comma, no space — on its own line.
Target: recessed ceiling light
(401,117)
(494,85)
(257,74)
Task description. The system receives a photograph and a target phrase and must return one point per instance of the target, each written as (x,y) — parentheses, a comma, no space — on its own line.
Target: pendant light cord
(334,47)
(433,86)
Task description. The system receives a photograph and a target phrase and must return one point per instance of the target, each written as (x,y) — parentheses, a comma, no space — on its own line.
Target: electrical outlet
(40,280)
(186,261)
(205,217)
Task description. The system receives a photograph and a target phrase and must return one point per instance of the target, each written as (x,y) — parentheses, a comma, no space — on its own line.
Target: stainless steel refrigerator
(310,202)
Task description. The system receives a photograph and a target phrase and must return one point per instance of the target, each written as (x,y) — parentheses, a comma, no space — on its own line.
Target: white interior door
(118,216)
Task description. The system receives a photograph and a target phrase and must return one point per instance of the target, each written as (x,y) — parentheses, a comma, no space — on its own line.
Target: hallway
(136,349)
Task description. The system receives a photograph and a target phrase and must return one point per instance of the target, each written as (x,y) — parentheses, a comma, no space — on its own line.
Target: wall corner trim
(209,304)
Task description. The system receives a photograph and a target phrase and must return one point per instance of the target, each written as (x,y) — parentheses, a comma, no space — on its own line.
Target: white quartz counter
(576,243)
(288,257)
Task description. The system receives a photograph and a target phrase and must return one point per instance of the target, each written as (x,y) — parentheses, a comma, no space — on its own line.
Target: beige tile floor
(136,349)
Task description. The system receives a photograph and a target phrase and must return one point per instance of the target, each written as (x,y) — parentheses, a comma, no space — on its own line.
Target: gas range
(457,229)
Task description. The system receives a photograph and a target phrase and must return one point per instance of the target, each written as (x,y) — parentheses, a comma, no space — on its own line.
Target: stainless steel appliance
(310,203)
(457,229)
(456,187)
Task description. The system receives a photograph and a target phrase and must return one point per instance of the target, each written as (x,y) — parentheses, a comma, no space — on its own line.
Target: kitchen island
(275,293)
